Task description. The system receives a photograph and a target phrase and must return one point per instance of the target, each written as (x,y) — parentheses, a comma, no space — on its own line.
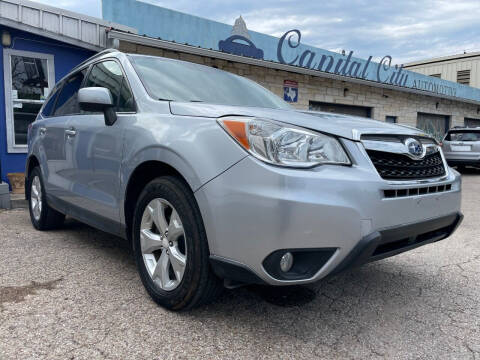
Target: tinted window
(167,79)
(48,108)
(67,103)
(463,136)
(108,74)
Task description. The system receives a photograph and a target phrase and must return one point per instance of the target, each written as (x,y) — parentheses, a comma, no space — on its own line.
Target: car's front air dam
(389,242)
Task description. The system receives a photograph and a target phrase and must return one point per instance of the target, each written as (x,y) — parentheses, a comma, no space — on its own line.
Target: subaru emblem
(414,147)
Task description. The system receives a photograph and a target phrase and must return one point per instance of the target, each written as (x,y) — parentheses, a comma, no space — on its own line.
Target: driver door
(96,150)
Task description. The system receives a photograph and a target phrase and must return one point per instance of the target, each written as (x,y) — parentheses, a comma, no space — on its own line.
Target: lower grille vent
(396,193)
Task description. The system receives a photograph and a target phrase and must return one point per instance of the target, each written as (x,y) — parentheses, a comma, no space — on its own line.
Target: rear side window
(67,103)
(48,108)
(108,74)
(463,136)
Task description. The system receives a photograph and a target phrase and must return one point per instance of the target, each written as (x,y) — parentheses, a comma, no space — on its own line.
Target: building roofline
(53,9)
(441,59)
(50,35)
(196,50)
(49,21)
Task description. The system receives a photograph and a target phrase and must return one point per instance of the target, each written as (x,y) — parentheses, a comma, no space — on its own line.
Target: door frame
(7,75)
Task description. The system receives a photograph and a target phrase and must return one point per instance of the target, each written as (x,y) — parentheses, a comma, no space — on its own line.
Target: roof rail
(103,52)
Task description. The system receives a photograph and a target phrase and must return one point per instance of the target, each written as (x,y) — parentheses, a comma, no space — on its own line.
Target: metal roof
(442,59)
(59,24)
(197,50)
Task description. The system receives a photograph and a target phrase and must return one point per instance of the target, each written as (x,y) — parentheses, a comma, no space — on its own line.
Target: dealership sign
(290,51)
(384,72)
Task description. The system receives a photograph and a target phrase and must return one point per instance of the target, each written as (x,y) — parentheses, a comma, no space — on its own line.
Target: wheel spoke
(157,212)
(149,241)
(178,261)
(35,191)
(175,227)
(161,270)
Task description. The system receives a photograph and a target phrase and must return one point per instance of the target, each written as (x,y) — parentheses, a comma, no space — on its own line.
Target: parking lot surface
(75,294)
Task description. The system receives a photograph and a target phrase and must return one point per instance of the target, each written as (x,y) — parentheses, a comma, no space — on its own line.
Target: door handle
(71,132)
(42,130)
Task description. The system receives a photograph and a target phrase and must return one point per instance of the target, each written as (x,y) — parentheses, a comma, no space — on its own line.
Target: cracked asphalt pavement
(75,294)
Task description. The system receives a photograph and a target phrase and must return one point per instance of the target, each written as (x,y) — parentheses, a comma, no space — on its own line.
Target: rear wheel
(170,246)
(43,217)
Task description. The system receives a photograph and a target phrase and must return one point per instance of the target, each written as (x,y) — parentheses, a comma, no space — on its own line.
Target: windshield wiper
(162,99)
(196,101)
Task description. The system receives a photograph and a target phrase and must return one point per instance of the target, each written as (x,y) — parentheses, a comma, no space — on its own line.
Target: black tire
(199,284)
(49,218)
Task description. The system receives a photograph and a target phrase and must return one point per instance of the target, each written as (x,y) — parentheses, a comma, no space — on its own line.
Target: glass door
(29,77)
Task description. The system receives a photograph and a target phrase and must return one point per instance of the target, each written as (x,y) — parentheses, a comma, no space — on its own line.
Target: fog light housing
(286,262)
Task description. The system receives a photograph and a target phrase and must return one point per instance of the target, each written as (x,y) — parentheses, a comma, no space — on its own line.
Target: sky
(407,30)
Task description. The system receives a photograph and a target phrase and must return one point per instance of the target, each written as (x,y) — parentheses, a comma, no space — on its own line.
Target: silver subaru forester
(217,182)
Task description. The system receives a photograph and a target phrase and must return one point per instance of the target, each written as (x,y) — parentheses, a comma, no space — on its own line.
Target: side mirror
(98,99)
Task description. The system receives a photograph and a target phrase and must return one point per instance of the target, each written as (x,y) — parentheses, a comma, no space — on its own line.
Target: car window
(67,103)
(463,136)
(47,110)
(108,74)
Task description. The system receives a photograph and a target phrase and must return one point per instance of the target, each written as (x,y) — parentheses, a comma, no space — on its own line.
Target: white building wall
(448,69)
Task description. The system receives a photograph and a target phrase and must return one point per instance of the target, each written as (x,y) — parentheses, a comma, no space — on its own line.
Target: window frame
(12,147)
(125,77)
(53,93)
(60,89)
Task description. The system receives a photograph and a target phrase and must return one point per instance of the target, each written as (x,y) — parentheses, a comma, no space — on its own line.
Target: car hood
(347,126)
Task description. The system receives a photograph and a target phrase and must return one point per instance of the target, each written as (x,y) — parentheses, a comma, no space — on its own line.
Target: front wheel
(43,217)
(170,246)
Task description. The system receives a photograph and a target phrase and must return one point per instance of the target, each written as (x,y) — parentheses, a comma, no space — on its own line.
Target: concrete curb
(17,201)
(4,196)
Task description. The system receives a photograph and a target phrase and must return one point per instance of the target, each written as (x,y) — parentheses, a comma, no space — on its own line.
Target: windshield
(166,79)
(463,136)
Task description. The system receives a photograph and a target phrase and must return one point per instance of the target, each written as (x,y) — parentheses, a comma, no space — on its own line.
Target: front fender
(198,148)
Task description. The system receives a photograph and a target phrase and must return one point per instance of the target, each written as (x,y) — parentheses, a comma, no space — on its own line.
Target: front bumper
(253,210)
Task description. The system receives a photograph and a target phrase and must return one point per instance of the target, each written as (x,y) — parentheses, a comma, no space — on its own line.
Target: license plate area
(461,147)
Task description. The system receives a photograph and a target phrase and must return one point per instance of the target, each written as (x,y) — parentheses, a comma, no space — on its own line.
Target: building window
(28,78)
(436,75)
(471,122)
(433,124)
(463,77)
(391,119)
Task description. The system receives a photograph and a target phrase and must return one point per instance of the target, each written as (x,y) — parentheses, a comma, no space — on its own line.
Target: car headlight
(282,144)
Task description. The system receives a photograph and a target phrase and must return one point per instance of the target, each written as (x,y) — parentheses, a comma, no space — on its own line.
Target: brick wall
(383,102)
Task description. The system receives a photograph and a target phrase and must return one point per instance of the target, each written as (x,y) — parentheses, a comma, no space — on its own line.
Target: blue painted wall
(65,58)
(183,28)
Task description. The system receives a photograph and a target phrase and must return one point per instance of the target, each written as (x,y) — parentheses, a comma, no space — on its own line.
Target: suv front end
(281,225)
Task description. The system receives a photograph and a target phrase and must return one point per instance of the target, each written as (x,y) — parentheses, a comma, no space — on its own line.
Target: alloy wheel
(36,198)
(163,244)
